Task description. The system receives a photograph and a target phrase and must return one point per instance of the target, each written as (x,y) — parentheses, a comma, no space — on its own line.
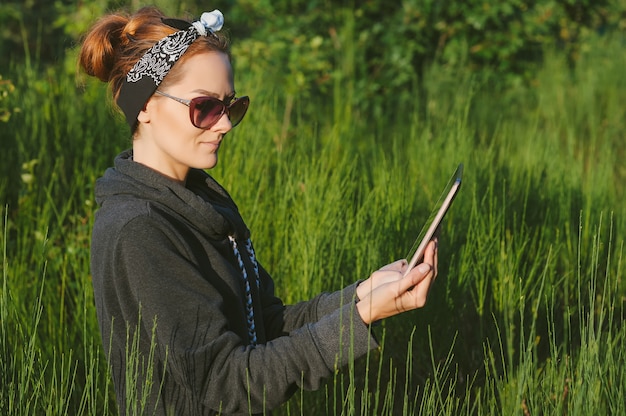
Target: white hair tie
(211,21)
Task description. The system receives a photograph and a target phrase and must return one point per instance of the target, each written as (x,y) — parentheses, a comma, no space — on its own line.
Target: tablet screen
(436,216)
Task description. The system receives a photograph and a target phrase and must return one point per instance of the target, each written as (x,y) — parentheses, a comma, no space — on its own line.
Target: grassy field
(526,316)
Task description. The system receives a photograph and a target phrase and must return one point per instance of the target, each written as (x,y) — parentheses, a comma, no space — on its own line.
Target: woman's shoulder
(117,213)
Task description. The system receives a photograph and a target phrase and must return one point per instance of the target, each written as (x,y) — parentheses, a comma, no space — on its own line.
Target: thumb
(416,275)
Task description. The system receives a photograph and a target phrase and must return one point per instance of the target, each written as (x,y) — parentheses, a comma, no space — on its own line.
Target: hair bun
(101,45)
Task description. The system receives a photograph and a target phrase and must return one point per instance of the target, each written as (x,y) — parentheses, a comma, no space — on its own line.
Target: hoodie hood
(201,201)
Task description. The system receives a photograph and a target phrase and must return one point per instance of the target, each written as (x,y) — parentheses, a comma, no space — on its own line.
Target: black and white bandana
(148,73)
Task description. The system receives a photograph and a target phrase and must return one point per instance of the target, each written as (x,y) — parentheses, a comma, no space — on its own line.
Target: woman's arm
(281,319)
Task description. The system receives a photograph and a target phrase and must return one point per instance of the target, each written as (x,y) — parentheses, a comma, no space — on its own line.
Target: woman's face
(166,140)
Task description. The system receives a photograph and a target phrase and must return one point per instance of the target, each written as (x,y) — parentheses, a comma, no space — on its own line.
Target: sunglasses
(205,111)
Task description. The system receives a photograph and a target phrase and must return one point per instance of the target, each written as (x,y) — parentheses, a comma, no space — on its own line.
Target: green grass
(525,317)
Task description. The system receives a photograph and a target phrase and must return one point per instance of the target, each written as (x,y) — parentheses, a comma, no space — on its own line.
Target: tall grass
(525,316)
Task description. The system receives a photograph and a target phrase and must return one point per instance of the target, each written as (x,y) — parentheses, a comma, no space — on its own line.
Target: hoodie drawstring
(249,307)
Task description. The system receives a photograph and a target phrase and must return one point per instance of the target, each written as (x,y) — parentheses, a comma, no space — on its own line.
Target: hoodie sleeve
(194,334)
(281,319)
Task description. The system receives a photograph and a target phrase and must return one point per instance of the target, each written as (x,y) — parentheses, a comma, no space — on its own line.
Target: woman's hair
(117,41)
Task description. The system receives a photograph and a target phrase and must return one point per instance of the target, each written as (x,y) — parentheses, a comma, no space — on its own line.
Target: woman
(188,316)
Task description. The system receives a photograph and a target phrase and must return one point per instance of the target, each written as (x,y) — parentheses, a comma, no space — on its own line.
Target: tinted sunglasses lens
(206,111)
(237,109)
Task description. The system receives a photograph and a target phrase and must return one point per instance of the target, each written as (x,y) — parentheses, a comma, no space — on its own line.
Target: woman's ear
(144,114)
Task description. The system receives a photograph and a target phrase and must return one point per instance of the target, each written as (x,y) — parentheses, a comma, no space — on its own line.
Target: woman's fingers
(419,293)
(386,274)
(389,292)
(430,255)
(396,266)
(413,288)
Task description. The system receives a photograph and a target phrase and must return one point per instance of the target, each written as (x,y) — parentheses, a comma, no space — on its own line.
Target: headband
(148,73)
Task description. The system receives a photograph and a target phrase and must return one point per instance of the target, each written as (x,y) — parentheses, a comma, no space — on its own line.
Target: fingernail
(423,268)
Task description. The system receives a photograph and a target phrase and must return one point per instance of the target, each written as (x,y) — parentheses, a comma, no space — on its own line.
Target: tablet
(436,216)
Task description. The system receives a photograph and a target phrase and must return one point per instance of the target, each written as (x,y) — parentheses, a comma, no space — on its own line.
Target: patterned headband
(148,73)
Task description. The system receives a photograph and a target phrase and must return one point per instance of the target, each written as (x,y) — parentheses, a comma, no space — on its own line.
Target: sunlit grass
(524,317)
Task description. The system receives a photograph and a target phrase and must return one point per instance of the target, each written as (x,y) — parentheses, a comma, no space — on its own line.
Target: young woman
(188,316)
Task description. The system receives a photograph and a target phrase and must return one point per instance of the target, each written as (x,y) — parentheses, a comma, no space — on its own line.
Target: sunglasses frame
(245,100)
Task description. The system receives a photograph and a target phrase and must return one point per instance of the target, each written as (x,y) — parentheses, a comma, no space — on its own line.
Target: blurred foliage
(6,109)
(398,41)
(310,44)
(384,48)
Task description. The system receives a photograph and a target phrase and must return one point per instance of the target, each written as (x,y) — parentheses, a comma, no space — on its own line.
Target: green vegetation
(527,314)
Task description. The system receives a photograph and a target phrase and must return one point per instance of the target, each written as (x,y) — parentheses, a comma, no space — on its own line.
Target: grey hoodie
(173,305)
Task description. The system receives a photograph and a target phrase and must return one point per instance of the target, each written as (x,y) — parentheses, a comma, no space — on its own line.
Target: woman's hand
(387,293)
